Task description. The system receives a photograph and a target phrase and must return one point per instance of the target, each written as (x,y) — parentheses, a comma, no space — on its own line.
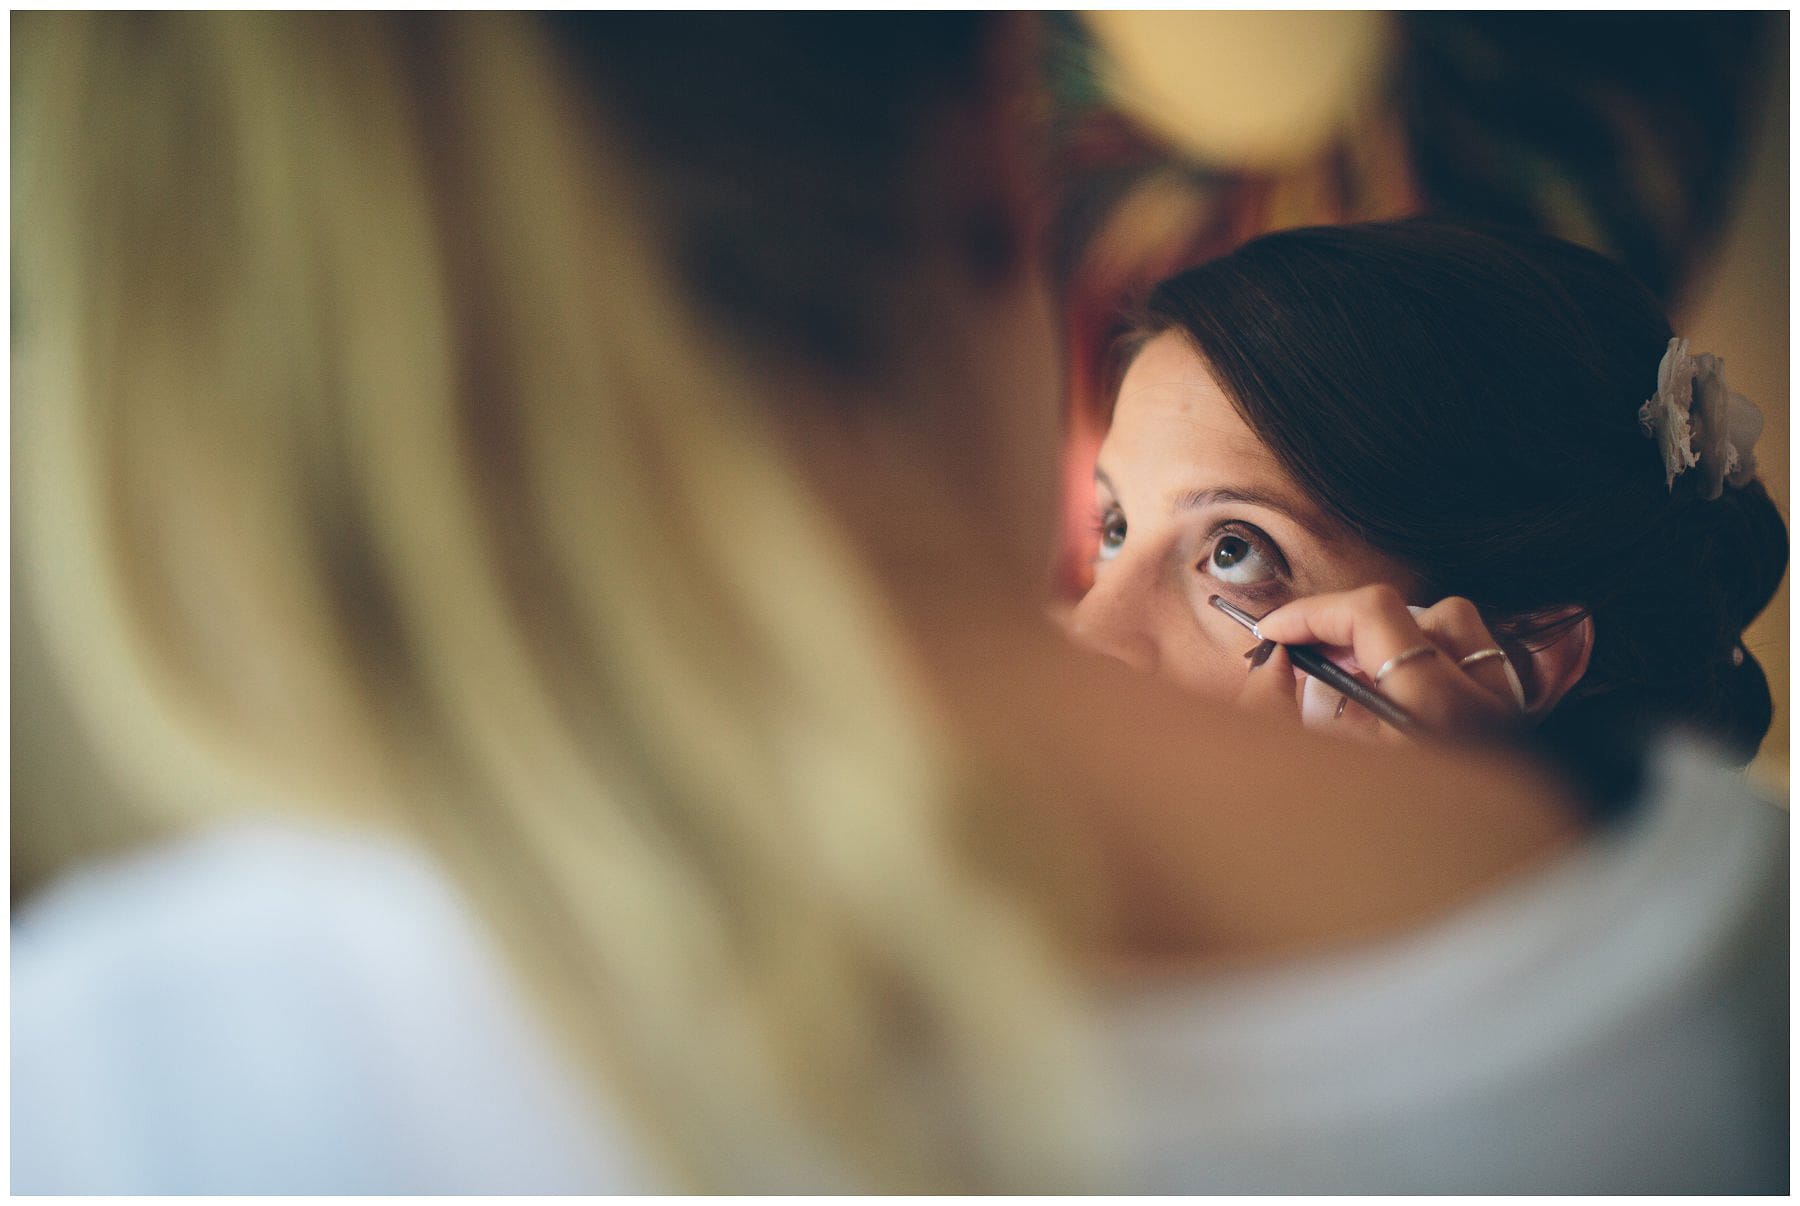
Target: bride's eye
(1111,526)
(1242,557)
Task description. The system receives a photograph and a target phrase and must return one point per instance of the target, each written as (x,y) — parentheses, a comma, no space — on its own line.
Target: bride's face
(1189,503)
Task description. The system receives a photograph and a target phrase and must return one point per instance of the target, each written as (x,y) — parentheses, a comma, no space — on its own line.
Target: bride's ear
(1548,671)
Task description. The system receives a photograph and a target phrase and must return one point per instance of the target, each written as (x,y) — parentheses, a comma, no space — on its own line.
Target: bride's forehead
(1182,424)
(1168,360)
(1172,421)
(1170,384)
(1176,408)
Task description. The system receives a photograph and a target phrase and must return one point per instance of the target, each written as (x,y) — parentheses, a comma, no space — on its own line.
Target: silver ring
(1481,655)
(1404,656)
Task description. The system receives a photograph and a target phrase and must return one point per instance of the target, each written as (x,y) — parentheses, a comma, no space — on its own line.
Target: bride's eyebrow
(1194,500)
(1304,516)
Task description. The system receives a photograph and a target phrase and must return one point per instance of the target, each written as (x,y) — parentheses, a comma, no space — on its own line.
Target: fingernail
(1512,680)
(1261,653)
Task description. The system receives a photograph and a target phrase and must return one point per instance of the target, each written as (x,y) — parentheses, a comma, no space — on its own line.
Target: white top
(272,1009)
(277,1010)
(1615,1023)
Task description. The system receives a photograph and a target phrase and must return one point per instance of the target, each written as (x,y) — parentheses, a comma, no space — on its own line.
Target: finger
(1371,623)
(1456,626)
(1375,624)
(1337,618)
(1270,689)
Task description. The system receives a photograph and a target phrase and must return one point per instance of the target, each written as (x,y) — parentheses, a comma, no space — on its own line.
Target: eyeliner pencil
(1310,660)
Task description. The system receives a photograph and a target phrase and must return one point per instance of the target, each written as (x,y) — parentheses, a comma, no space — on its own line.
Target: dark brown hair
(1466,400)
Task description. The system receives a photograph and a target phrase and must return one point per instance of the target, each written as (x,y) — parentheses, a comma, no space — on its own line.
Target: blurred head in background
(544,436)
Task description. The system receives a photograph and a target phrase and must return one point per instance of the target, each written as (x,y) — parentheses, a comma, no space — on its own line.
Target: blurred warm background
(1660,139)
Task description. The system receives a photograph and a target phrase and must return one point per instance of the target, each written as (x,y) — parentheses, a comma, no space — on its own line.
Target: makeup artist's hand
(1444,665)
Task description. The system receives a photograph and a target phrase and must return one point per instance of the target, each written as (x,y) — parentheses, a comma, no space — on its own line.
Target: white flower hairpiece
(1699,423)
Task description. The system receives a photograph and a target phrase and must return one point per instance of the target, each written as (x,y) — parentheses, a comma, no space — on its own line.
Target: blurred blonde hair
(368,468)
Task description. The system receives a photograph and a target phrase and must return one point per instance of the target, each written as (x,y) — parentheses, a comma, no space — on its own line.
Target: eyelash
(1102,519)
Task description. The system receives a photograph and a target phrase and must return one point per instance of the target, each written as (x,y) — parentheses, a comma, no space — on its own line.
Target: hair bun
(1743,705)
(1751,553)
(1735,549)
